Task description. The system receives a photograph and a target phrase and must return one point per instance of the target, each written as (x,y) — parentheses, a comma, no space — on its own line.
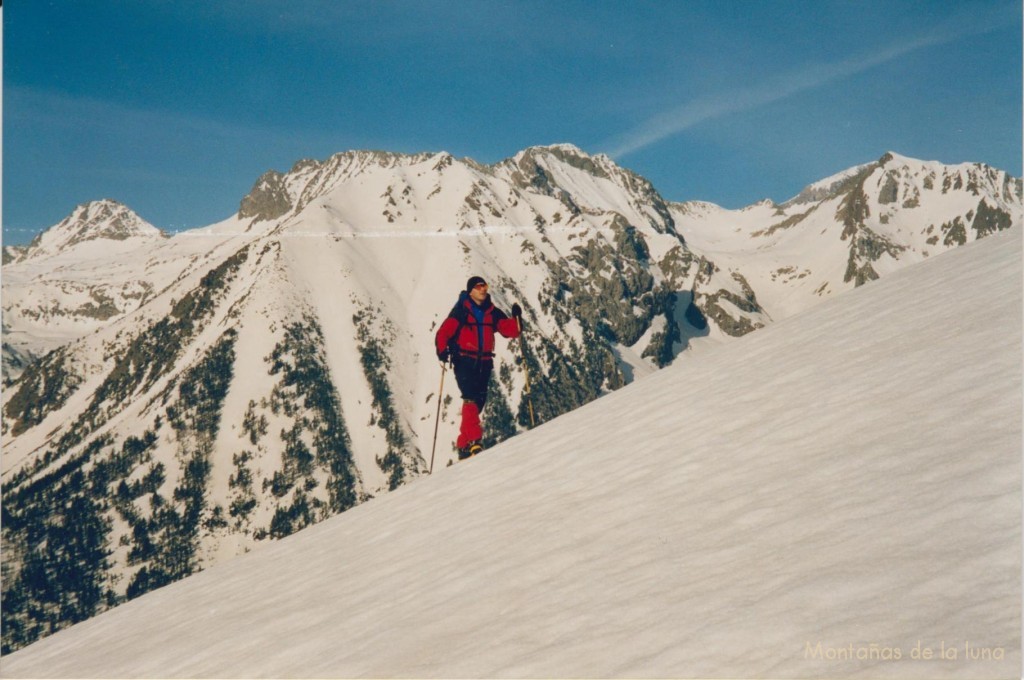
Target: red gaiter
(470,429)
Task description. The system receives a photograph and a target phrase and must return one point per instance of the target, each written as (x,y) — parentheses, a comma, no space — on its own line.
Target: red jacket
(475,337)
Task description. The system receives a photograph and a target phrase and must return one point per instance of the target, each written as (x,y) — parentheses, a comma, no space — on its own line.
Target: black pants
(473,375)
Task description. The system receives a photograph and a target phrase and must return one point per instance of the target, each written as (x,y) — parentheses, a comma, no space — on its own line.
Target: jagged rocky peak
(530,167)
(542,169)
(268,199)
(841,183)
(563,150)
(527,160)
(895,165)
(351,163)
(108,219)
(895,158)
(833,186)
(103,219)
(275,194)
(977,179)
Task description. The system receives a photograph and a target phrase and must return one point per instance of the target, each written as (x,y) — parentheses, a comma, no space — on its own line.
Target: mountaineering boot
(470,450)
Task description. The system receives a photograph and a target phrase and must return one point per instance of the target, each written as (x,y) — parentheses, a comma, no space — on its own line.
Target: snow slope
(850,476)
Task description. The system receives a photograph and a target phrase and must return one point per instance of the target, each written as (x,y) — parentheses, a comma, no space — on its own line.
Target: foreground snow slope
(850,476)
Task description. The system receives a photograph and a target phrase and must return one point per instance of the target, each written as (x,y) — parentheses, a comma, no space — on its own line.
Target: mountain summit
(94,221)
(436,191)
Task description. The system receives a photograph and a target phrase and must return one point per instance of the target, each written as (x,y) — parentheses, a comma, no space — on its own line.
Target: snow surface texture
(850,476)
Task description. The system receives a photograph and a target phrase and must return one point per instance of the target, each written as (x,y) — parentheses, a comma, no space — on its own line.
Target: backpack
(461,314)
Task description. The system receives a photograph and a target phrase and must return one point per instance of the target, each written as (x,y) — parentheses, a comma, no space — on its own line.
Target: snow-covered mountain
(76,277)
(96,224)
(269,371)
(854,227)
(827,498)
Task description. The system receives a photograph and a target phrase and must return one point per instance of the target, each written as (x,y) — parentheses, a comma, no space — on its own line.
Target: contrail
(719,104)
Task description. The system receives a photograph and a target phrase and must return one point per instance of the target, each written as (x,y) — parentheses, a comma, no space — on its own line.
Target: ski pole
(437,418)
(526,371)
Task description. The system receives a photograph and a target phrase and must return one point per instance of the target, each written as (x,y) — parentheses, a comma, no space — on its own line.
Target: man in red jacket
(466,339)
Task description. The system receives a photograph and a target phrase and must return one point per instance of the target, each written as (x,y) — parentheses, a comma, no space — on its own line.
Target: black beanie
(473,281)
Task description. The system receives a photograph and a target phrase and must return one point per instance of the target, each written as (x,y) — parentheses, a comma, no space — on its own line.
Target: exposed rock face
(12,254)
(268,199)
(989,220)
(720,304)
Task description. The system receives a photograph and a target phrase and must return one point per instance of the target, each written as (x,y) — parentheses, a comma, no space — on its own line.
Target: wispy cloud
(68,148)
(710,107)
(106,120)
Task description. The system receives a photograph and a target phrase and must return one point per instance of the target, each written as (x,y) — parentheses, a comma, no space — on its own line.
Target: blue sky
(175,107)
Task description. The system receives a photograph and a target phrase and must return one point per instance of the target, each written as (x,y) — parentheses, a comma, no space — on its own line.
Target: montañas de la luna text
(877,652)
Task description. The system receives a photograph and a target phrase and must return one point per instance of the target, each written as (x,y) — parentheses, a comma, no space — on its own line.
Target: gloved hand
(517,311)
(444,356)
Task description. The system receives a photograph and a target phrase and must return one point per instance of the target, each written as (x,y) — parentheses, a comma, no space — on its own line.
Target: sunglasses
(480,285)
